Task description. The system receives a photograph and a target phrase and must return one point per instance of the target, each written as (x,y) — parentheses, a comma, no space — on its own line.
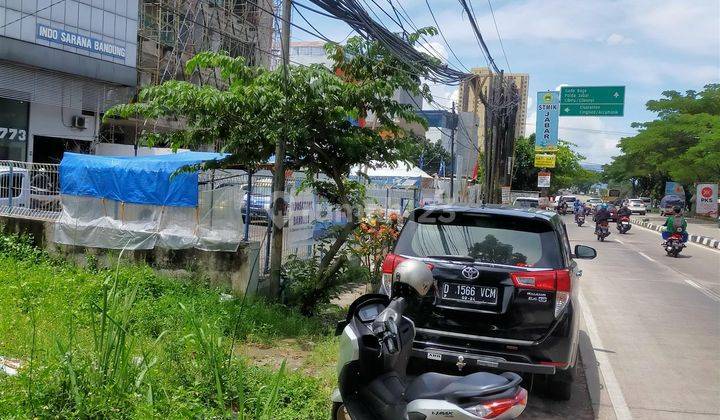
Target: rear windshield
(485,238)
(636,202)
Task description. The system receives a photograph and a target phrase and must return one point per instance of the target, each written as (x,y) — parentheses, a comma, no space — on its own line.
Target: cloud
(617,39)
(434,49)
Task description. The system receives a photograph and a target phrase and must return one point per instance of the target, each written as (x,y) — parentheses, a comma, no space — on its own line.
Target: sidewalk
(701,232)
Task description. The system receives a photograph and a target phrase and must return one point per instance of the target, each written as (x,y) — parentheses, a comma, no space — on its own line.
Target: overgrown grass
(128,343)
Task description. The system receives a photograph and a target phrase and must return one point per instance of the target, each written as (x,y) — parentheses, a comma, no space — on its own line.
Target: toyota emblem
(470,273)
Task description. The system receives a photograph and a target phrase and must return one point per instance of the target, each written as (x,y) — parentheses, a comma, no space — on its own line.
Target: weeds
(127,343)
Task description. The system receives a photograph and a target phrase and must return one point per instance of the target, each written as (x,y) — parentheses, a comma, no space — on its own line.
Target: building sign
(546,125)
(543,160)
(544,179)
(505,194)
(706,198)
(72,39)
(13,129)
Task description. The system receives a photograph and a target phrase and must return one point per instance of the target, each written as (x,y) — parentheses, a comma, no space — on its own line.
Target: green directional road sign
(599,101)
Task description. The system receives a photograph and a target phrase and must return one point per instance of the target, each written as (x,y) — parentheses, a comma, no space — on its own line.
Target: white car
(593,202)
(636,205)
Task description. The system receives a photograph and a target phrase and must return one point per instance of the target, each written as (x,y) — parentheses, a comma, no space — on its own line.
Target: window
(485,238)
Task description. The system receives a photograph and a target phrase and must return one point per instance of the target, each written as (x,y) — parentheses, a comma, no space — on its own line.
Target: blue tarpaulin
(138,180)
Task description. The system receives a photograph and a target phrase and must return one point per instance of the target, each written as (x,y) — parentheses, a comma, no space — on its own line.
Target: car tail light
(558,281)
(388,268)
(389,264)
(492,409)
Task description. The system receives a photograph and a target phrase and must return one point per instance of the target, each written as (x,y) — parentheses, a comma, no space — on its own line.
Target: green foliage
(128,343)
(432,154)
(20,247)
(567,173)
(304,286)
(681,144)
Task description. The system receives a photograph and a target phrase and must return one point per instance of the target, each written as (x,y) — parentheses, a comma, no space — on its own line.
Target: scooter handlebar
(385,328)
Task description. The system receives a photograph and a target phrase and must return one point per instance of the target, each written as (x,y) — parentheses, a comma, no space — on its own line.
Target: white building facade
(62,64)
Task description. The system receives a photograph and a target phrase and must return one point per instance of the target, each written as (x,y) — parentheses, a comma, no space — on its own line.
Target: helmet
(677,209)
(413,275)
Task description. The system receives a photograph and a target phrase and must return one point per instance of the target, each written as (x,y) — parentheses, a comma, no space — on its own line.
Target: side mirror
(585,252)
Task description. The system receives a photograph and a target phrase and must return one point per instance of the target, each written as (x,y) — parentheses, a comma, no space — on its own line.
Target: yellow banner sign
(544,160)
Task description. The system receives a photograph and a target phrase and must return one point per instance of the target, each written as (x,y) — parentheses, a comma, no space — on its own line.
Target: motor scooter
(674,243)
(623,224)
(375,347)
(602,230)
(580,218)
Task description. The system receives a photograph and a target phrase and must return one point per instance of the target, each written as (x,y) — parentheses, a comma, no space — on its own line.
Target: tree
(681,144)
(245,118)
(567,173)
(432,154)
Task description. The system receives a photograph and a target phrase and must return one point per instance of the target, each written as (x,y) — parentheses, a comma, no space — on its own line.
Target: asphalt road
(651,327)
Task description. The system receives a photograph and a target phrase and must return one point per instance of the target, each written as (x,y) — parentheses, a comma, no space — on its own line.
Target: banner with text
(546,123)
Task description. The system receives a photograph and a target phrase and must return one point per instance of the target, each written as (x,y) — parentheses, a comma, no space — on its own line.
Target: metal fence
(29,190)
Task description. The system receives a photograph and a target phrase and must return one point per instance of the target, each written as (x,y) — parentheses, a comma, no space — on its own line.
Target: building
(468,100)
(61,66)
(170,32)
(305,53)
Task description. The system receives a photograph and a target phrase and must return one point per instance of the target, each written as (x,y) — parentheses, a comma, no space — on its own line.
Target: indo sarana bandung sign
(60,36)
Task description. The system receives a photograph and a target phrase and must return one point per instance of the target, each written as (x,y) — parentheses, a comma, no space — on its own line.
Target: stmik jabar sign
(60,36)
(592,101)
(546,123)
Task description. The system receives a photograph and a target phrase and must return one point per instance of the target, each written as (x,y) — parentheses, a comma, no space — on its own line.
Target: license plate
(469,293)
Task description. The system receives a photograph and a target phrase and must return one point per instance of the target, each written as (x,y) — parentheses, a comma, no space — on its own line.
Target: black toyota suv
(505,293)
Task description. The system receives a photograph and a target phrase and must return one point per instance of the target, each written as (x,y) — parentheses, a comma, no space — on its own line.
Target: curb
(698,239)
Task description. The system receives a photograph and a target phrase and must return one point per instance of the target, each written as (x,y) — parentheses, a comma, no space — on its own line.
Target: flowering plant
(373,239)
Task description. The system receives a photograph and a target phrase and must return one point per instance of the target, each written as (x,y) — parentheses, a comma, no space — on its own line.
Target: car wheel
(559,386)
(339,412)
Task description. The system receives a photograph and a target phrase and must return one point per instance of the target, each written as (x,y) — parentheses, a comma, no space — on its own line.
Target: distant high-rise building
(469,102)
(308,52)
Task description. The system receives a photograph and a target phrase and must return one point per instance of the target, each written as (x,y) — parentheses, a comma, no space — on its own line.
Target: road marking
(620,241)
(612,386)
(707,292)
(646,257)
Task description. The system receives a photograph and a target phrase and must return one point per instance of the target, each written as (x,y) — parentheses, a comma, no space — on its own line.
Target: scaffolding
(172,31)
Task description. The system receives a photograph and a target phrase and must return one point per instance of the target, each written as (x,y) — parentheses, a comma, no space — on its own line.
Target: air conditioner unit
(78,121)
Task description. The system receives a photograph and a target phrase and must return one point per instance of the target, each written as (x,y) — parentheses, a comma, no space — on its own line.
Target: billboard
(674,188)
(706,200)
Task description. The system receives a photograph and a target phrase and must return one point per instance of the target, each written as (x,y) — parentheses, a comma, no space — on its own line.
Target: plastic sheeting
(136,180)
(214,225)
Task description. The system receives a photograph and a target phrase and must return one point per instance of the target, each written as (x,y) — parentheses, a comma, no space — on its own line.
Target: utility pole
(278,185)
(453,125)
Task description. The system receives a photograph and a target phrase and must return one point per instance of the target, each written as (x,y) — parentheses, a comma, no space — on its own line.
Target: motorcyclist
(624,211)
(579,209)
(673,222)
(576,205)
(562,207)
(601,214)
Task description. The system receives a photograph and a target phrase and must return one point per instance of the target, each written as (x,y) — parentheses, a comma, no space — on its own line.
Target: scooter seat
(438,386)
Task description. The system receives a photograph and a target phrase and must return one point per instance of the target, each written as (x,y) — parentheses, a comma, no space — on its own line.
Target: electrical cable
(478,34)
(502,47)
(442,35)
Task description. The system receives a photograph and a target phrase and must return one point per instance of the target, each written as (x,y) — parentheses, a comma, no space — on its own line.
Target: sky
(649,46)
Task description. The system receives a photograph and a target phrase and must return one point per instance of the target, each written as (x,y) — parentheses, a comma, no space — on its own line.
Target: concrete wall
(236,271)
